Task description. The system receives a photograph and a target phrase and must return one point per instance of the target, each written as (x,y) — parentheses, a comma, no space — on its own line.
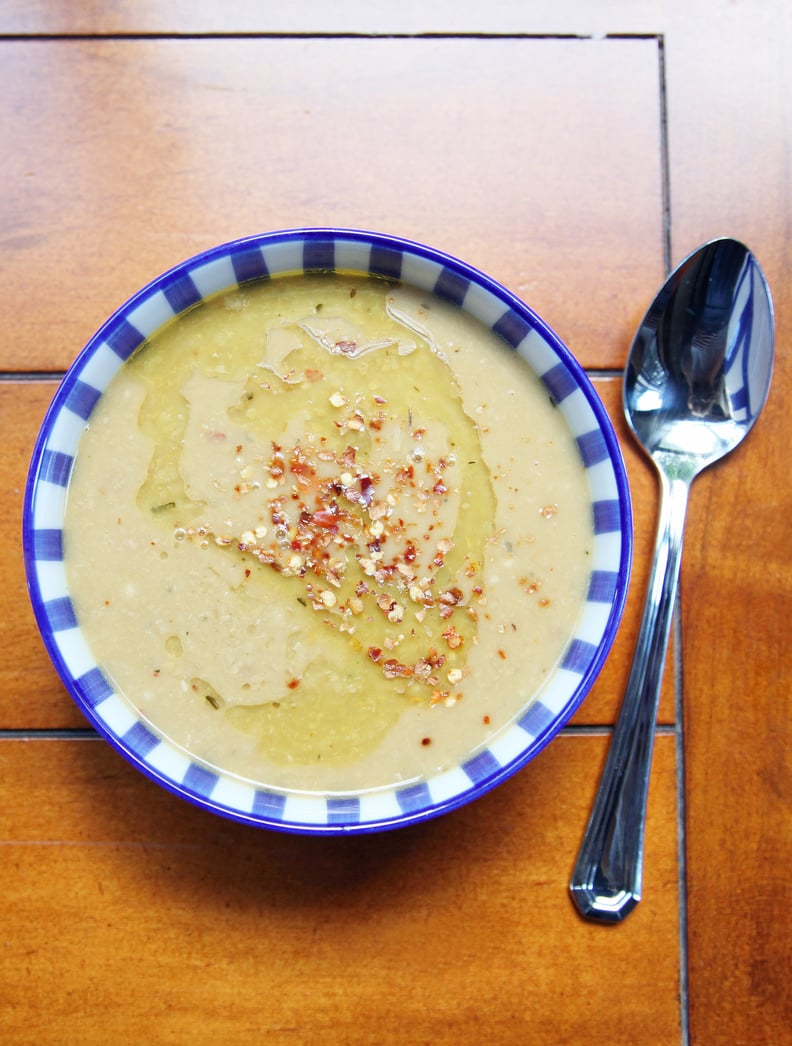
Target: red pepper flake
(347,459)
(394,669)
(299,464)
(502,655)
(375,653)
(247,572)
(239,448)
(293,684)
(486,720)
(326,518)
(451,597)
(426,741)
(452,637)
(366,489)
(434,658)
(313,375)
(444,546)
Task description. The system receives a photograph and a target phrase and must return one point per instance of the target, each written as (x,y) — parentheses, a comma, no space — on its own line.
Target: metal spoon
(697,377)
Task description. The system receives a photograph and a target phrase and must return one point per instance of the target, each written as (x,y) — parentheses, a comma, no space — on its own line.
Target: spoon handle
(606,881)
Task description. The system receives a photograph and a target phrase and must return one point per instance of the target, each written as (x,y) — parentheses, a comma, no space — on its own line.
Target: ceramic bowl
(224,268)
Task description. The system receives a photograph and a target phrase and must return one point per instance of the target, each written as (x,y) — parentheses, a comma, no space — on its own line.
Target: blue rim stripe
(94,688)
(200,780)
(452,286)
(592,447)
(181,292)
(56,467)
(386,261)
(559,382)
(319,256)
(141,740)
(124,339)
(537,719)
(60,614)
(513,328)
(269,805)
(343,810)
(82,399)
(249,265)
(414,798)
(603,586)
(48,545)
(481,766)
(579,655)
(607,516)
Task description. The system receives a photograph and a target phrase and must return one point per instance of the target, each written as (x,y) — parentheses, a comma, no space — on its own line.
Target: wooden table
(574,151)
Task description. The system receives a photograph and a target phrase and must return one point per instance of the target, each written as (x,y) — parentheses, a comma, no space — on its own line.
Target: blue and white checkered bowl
(224,268)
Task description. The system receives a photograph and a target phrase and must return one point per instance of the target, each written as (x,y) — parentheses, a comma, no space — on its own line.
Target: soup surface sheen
(327,533)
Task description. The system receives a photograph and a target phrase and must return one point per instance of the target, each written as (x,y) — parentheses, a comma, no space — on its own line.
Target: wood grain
(140,918)
(130,155)
(737,575)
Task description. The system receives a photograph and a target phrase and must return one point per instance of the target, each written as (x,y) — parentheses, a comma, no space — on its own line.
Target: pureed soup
(327,532)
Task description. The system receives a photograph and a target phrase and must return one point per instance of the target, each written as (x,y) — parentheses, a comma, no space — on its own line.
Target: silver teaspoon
(697,376)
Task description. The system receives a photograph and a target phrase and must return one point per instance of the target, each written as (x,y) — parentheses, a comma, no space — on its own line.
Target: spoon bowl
(700,366)
(697,377)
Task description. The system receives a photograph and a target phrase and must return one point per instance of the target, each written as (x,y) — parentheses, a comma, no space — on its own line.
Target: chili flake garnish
(350,536)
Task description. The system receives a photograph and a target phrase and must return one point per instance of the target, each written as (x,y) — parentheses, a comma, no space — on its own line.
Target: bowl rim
(453,280)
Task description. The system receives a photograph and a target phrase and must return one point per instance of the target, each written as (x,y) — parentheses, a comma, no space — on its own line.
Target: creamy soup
(327,533)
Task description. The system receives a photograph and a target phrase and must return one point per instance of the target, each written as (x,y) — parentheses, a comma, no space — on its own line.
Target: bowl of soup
(326,531)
